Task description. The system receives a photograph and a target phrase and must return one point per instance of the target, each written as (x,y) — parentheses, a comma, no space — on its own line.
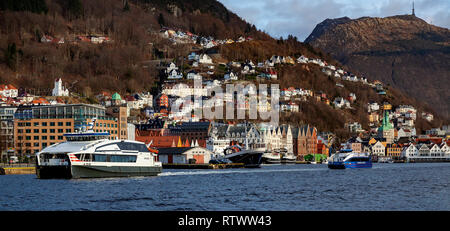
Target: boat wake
(209,172)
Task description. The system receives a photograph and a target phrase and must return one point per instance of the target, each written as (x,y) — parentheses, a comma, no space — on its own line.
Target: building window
(44,123)
(68,123)
(36,137)
(60,124)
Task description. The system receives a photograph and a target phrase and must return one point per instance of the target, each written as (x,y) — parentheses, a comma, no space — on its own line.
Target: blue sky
(299,17)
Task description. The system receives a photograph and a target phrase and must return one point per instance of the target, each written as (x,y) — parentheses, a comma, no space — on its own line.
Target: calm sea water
(423,186)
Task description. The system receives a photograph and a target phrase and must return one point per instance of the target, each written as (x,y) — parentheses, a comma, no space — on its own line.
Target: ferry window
(122,158)
(87,157)
(99,158)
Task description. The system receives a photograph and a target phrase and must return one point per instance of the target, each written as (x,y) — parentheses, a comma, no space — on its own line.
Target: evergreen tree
(126,7)
(12,56)
(161,20)
(35,6)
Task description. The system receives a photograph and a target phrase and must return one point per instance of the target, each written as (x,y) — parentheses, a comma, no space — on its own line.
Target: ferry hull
(249,159)
(75,172)
(344,165)
(288,161)
(336,165)
(53,172)
(114,171)
(366,164)
(270,160)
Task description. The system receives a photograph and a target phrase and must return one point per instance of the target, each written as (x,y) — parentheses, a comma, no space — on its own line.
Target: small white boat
(271,158)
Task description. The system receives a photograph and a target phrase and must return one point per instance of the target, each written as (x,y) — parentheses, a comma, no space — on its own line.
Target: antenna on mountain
(413,14)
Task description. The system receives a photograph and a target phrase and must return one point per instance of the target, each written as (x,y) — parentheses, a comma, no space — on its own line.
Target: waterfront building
(7,131)
(426,153)
(306,141)
(393,150)
(184,155)
(410,151)
(120,113)
(36,127)
(191,130)
(223,135)
(378,149)
(424,150)
(386,130)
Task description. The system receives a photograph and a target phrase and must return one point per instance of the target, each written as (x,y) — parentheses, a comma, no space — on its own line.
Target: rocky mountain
(401,51)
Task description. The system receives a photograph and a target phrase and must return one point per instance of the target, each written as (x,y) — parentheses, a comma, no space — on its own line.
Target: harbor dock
(17,170)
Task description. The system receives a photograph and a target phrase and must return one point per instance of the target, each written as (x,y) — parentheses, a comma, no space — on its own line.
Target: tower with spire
(413,14)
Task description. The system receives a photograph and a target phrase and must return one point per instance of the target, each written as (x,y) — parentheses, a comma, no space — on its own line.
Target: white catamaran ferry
(91,154)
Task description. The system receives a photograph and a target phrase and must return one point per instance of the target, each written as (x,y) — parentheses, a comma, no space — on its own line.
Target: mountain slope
(402,51)
(133,58)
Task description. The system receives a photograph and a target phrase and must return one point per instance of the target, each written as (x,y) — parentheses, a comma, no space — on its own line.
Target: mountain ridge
(397,50)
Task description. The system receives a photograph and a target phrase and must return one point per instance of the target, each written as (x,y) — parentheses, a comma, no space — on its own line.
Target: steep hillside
(130,59)
(132,27)
(401,51)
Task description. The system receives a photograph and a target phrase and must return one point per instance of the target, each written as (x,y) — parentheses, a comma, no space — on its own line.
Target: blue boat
(348,159)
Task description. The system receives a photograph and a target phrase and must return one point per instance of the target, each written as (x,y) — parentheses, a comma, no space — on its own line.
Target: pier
(17,169)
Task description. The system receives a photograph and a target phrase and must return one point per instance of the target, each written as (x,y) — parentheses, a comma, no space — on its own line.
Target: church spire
(413,14)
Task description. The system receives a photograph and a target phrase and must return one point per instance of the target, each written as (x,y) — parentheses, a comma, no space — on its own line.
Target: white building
(9,91)
(205,59)
(184,155)
(193,75)
(378,149)
(410,152)
(174,74)
(59,89)
(230,76)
